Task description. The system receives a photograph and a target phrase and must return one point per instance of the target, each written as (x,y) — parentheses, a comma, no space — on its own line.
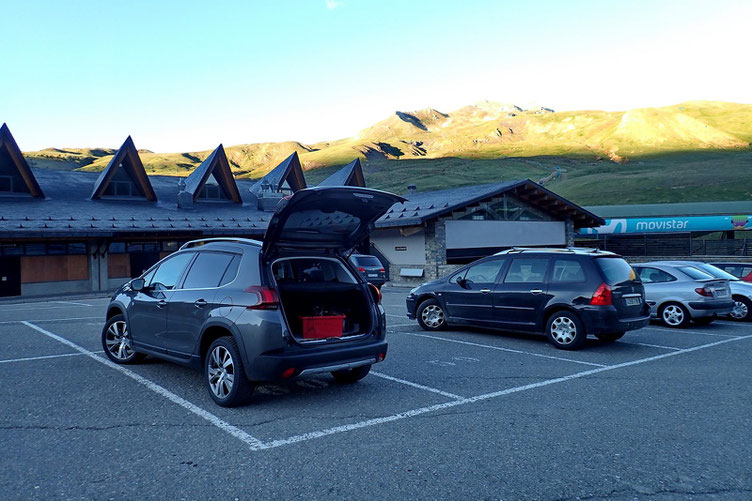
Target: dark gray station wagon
(245,311)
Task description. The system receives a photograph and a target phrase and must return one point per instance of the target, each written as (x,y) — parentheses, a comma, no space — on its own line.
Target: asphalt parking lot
(661,414)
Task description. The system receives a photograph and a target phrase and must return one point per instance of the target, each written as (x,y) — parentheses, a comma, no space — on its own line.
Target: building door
(142,261)
(10,276)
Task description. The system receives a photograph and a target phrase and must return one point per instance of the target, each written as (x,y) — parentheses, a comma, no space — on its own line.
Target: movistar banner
(671,225)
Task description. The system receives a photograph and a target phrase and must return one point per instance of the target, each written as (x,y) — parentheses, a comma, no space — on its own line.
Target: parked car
(680,293)
(370,268)
(564,293)
(246,311)
(742,271)
(741,292)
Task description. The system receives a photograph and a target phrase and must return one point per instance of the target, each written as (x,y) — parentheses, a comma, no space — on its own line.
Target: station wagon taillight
(267,298)
(602,296)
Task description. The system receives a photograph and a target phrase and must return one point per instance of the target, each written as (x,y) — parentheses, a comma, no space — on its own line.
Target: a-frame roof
(289,170)
(349,175)
(127,156)
(19,162)
(215,164)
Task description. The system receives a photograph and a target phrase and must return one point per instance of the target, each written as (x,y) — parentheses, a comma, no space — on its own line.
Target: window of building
(213,191)
(121,185)
(11,181)
(507,209)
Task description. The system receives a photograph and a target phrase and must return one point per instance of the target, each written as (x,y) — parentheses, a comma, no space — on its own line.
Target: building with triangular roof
(16,178)
(124,177)
(285,179)
(213,181)
(349,175)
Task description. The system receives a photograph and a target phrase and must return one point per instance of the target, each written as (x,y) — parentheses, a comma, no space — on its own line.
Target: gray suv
(244,311)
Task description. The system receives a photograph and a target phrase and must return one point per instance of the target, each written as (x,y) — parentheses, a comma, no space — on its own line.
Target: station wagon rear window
(616,270)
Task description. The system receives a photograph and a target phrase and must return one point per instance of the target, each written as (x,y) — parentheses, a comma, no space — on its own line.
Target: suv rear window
(367,261)
(616,270)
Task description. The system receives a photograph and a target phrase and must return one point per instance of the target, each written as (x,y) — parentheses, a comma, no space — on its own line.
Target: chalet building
(64,232)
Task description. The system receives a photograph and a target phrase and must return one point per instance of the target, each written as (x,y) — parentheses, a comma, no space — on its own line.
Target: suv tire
(116,341)
(352,375)
(609,337)
(224,374)
(431,315)
(565,330)
(674,315)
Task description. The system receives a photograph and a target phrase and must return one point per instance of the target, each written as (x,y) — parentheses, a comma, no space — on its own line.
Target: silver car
(679,293)
(741,291)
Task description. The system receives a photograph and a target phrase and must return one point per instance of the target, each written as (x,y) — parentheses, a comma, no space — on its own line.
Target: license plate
(373,274)
(721,293)
(633,301)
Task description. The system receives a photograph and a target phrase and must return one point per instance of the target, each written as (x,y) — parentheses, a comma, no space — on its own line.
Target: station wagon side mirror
(138,284)
(462,282)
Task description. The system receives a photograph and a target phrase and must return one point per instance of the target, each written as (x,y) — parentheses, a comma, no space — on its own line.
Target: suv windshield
(616,270)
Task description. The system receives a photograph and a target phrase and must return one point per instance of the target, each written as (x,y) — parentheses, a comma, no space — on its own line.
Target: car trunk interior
(313,291)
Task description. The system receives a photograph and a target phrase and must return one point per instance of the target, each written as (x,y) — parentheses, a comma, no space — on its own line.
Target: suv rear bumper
(606,319)
(311,360)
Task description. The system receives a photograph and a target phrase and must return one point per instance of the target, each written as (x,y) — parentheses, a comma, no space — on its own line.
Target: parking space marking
(656,346)
(253,442)
(43,357)
(416,385)
(691,331)
(437,407)
(395,315)
(37,308)
(73,302)
(50,320)
(469,343)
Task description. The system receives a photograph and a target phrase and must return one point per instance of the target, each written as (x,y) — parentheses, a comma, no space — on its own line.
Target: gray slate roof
(349,175)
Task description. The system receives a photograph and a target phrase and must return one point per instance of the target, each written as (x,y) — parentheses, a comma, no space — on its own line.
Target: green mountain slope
(689,145)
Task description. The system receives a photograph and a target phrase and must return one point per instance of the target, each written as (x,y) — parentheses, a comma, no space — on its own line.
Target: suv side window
(169,271)
(526,271)
(207,270)
(567,271)
(654,276)
(484,273)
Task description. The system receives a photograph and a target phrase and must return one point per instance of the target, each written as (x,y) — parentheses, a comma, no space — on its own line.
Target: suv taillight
(602,296)
(362,270)
(704,292)
(267,298)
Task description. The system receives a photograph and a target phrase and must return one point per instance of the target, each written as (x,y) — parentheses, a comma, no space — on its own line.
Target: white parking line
(690,331)
(395,315)
(432,408)
(38,308)
(655,346)
(52,320)
(503,349)
(253,442)
(416,385)
(43,357)
(72,302)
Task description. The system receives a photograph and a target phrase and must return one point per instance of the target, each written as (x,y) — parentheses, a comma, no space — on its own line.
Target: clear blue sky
(185,76)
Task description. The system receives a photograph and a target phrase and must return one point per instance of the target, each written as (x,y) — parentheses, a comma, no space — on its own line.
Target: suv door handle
(485,291)
(162,303)
(200,303)
(536,291)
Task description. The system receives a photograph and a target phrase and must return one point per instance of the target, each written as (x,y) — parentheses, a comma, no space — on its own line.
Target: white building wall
(400,249)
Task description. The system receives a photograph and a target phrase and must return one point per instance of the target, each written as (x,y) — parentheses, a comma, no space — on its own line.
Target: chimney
(411,189)
(185,199)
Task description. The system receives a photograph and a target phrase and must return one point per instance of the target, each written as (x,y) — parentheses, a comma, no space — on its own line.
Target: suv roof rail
(204,241)
(562,250)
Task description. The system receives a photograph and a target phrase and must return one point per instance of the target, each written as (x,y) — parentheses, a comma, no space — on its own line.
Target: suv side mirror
(138,284)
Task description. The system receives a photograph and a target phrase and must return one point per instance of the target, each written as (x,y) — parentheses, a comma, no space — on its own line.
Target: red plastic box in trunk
(322,327)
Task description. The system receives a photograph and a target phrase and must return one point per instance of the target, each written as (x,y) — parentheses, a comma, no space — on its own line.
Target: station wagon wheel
(674,315)
(565,331)
(742,309)
(224,373)
(431,315)
(116,341)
